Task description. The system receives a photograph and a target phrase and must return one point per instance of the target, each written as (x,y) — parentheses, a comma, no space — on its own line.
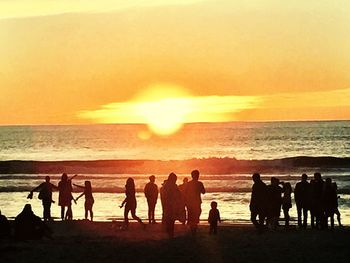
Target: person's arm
(123,203)
(79,186)
(54,186)
(30,196)
(79,196)
(219,216)
(203,189)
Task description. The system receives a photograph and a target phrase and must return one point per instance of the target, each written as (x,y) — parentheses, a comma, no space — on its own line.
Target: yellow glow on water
(165,108)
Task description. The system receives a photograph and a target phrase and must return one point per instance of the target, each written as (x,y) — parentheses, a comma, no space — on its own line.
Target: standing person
(89,199)
(130,203)
(172,204)
(286,202)
(65,197)
(302,194)
(45,194)
(151,193)
(182,188)
(337,209)
(193,193)
(274,195)
(258,201)
(317,200)
(214,218)
(329,201)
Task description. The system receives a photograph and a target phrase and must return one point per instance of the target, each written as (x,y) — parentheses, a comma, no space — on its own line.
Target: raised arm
(80,196)
(79,186)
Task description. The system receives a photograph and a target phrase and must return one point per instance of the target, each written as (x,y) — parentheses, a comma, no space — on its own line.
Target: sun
(163,108)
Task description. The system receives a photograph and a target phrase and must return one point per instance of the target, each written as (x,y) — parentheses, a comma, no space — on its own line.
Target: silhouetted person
(161,193)
(29,226)
(193,193)
(337,209)
(312,204)
(214,218)
(5,227)
(130,203)
(182,188)
(65,197)
(151,193)
(286,202)
(329,201)
(274,195)
(302,193)
(89,199)
(172,203)
(258,201)
(317,200)
(45,194)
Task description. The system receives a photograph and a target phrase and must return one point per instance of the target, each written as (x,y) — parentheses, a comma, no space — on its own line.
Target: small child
(214,218)
(89,199)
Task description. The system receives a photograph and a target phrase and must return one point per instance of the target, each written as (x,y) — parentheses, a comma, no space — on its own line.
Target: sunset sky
(70,62)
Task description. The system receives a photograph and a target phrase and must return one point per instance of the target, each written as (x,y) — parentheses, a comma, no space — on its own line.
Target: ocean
(292,147)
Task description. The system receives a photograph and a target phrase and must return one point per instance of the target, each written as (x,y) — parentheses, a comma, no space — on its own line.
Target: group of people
(182,203)
(317,197)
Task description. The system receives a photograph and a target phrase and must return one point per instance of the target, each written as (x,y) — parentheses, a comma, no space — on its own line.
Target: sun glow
(165,108)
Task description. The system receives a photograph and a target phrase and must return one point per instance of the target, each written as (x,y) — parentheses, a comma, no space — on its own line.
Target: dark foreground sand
(80,241)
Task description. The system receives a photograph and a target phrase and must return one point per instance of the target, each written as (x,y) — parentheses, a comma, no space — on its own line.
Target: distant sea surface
(244,141)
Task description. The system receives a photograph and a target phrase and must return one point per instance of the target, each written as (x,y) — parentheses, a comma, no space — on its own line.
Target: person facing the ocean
(28,226)
(151,193)
(329,201)
(336,208)
(317,200)
(89,199)
(302,194)
(130,203)
(45,194)
(172,203)
(286,202)
(182,188)
(193,193)
(258,200)
(65,197)
(274,195)
(214,218)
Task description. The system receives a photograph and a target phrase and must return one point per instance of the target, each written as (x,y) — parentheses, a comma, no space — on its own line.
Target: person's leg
(305,217)
(286,216)
(126,219)
(62,212)
(134,216)
(299,209)
(153,208)
(253,216)
(332,220)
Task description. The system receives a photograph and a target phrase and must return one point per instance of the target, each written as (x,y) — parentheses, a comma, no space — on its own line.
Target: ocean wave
(205,165)
(234,190)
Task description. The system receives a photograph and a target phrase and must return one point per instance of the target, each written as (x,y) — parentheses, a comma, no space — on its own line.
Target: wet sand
(80,241)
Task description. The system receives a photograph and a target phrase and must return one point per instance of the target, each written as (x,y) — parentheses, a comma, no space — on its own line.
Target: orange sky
(61,58)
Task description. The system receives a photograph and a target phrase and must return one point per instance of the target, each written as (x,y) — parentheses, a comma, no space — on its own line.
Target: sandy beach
(105,242)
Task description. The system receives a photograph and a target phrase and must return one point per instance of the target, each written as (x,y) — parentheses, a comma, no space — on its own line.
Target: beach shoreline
(86,241)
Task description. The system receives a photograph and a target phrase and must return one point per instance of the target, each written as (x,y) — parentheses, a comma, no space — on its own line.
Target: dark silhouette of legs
(286,216)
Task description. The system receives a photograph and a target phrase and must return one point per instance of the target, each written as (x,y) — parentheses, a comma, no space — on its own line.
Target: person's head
(287,187)
(152,178)
(185,180)
(256,177)
(27,209)
(317,177)
(64,177)
(328,181)
(213,205)
(304,177)
(274,181)
(47,179)
(130,183)
(87,185)
(172,178)
(195,175)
